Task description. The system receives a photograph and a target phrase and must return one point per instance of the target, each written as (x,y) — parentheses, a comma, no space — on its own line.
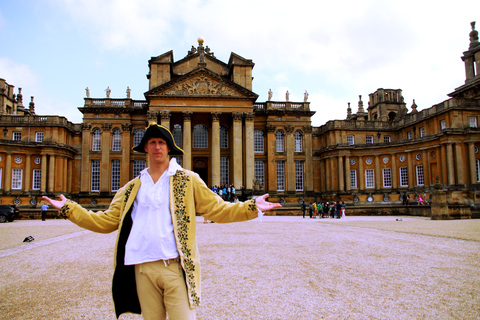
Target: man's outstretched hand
(57,204)
(263,205)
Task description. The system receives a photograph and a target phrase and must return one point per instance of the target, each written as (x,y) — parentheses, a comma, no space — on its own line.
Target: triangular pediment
(201,83)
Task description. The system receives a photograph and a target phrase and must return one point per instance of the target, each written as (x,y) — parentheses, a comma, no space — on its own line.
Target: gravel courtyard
(279,268)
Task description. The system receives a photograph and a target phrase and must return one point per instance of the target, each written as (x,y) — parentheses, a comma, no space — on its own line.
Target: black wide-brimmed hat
(158,131)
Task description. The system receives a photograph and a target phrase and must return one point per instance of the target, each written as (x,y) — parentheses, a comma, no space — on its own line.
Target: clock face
(402,158)
(385,159)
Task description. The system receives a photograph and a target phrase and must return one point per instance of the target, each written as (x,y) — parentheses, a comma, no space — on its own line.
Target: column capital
(126,127)
(165,115)
(106,126)
(237,116)
(249,116)
(187,115)
(271,128)
(289,128)
(307,129)
(86,126)
(216,115)
(152,115)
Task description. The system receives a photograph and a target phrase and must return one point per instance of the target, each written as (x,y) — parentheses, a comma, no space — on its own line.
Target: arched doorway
(200,166)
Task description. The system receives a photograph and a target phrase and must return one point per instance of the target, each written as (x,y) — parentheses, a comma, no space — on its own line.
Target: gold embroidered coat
(188,196)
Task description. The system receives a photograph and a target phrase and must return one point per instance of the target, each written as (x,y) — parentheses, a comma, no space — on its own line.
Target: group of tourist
(325,209)
(421,199)
(228,192)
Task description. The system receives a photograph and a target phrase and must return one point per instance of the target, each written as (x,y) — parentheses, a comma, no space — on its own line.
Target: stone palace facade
(369,160)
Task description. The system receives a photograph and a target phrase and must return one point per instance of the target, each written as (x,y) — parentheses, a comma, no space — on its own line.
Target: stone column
(341,174)
(165,119)
(215,150)
(105,165)
(307,133)
(125,175)
(249,154)
(361,174)
(237,149)
(472,163)
(85,165)
(28,173)
(348,182)
(152,116)
(378,174)
(187,139)
(65,175)
(460,163)
(8,173)
(426,169)
(450,165)
(271,184)
(290,148)
(410,170)
(328,180)
(51,174)
(70,176)
(43,182)
(394,172)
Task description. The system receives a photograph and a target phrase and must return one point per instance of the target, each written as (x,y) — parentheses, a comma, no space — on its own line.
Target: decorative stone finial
(349,111)
(473,36)
(360,104)
(200,41)
(414,107)
(31,105)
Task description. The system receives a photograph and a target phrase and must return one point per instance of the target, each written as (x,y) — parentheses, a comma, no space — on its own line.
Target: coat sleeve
(214,208)
(99,221)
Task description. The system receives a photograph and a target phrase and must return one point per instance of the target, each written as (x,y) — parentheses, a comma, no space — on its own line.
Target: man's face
(157,150)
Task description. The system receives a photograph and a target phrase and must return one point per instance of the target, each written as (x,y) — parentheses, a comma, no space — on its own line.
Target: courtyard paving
(277,268)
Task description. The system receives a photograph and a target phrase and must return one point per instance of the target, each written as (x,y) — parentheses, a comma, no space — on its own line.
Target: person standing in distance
(155,214)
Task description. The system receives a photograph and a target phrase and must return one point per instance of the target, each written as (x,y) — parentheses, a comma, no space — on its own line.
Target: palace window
(17,175)
(478,170)
(473,122)
(224,170)
(387,139)
(223,137)
(279,142)
(420,177)
(95,176)
(115,175)
(443,124)
(387,178)
(369,178)
(37,179)
(17,136)
(350,140)
(39,136)
(200,136)
(260,172)
(258,141)
(298,175)
(177,135)
(116,140)
(403,177)
(137,136)
(409,135)
(422,132)
(298,141)
(280,176)
(138,165)
(179,160)
(353,179)
(96,140)
(369,140)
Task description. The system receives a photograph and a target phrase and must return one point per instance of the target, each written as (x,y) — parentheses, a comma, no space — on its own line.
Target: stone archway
(200,166)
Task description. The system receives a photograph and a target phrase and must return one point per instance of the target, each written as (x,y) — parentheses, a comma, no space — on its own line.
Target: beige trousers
(162,291)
